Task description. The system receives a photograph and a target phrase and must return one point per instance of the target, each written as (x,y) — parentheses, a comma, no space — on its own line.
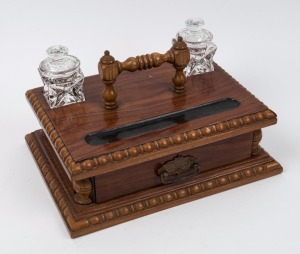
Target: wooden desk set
(157,145)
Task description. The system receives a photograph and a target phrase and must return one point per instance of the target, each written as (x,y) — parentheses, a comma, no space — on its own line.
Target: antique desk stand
(155,146)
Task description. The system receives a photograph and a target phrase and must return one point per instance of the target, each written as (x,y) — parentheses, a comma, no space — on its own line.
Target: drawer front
(146,175)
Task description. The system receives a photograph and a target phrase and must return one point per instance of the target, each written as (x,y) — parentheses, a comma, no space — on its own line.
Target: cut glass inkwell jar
(202,49)
(62,77)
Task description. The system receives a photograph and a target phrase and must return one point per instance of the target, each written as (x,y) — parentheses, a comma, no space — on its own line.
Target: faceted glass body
(202,49)
(62,77)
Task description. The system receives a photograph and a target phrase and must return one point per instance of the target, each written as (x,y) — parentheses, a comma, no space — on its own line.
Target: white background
(258,44)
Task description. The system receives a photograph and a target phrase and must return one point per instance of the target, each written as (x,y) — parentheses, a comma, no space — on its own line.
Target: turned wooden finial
(182,58)
(109,69)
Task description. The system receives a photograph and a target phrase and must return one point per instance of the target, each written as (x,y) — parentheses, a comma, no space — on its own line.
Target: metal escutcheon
(179,169)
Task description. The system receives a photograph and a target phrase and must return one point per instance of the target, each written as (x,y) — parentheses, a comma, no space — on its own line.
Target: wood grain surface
(142,95)
(144,175)
(84,219)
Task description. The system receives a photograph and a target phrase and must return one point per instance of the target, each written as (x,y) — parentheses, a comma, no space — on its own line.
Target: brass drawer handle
(179,169)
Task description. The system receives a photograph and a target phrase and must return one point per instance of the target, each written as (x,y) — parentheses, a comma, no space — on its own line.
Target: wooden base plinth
(84,219)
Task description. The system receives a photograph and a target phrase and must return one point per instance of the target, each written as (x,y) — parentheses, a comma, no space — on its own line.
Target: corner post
(257,137)
(83,190)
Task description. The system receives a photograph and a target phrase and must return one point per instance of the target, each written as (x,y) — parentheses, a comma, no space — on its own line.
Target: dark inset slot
(160,122)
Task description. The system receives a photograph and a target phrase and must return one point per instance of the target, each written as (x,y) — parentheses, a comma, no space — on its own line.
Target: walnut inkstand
(158,140)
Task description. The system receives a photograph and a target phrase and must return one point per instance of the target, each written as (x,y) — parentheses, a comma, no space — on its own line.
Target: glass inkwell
(62,77)
(202,49)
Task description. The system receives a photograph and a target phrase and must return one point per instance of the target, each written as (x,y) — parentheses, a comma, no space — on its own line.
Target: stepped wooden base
(84,219)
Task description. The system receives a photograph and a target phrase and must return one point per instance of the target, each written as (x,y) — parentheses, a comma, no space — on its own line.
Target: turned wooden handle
(109,69)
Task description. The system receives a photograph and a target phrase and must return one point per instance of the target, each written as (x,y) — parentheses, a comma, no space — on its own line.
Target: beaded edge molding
(164,143)
(105,218)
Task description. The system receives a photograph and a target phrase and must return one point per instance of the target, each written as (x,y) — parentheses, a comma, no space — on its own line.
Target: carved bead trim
(181,193)
(73,168)
(143,204)
(54,186)
(164,143)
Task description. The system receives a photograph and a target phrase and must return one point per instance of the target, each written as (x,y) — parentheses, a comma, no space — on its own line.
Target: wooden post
(257,136)
(83,190)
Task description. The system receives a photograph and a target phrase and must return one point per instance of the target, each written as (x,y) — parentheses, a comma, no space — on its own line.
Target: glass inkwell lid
(59,63)
(202,49)
(194,33)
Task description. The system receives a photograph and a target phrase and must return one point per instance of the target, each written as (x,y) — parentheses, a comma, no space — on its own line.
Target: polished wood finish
(83,191)
(102,185)
(257,137)
(81,220)
(67,126)
(109,69)
(145,175)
